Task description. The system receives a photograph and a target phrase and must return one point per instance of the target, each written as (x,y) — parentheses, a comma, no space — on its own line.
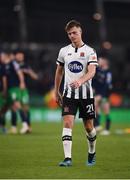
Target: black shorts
(86,107)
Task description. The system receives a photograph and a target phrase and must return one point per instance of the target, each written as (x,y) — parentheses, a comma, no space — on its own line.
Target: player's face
(4,58)
(12,56)
(103,63)
(74,34)
(19,57)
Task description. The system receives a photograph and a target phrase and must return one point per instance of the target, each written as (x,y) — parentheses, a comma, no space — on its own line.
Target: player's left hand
(58,99)
(22,85)
(75,84)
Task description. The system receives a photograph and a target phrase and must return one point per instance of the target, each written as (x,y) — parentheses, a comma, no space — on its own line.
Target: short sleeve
(16,65)
(109,78)
(92,57)
(60,59)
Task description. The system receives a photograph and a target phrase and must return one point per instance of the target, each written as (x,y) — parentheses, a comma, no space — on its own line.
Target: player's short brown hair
(72,24)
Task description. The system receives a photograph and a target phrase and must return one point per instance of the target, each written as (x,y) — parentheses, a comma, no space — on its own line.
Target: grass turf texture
(37,155)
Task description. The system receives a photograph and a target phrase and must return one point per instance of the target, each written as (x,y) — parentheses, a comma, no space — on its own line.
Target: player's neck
(78,44)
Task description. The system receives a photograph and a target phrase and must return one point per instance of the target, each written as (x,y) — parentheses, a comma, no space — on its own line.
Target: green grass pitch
(37,155)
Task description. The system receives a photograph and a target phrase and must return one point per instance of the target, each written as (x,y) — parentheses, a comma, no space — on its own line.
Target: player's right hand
(58,99)
(22,85)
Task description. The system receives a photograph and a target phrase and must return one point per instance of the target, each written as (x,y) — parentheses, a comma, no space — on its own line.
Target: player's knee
(16,105)
(89,129)
(25,108)
(68,124)
(89,125)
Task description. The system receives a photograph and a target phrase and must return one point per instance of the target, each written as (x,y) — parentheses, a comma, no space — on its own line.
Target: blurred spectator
(102,85)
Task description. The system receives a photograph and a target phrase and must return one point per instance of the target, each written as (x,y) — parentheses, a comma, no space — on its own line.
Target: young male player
(14,83)
(77,62)
(2,100)
(28,72)
(102,85)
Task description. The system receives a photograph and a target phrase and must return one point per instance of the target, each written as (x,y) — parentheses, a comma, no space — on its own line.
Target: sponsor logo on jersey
(75,66)
(69,54)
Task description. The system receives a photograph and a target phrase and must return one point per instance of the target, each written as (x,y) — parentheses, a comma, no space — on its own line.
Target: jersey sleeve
(16,66)
(92,57)
(60,59)
(109,80)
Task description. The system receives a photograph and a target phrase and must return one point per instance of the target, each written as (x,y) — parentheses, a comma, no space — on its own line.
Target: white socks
(91,136)
(67,141)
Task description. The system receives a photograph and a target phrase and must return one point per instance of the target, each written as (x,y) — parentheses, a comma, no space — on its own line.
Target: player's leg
(3,109)
(106,110)
(91,139)
(13,108)
(25,112)
(68,111)
(12,103)
(87,113)
(97,120)
(2,123)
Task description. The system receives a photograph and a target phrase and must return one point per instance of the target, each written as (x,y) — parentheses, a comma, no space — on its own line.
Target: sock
(25,125)
(22,115)
(91,136)
(3,120)
(67,141)
(0,121)
(97,120)
(13,118)
(28,118)
(108,122)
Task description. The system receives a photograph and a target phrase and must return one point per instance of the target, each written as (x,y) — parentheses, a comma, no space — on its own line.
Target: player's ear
(81,30)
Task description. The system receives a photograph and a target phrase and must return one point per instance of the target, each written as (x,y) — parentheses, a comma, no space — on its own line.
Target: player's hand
(4,94)
(22,86)
(76,84)
(26,71)
(58,99)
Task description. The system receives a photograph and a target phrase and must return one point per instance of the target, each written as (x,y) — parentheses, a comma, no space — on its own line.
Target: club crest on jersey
(75,66)
(82,54)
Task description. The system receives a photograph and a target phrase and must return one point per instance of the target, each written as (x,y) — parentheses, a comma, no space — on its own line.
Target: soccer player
(102,84)
(13,83)
(28,72)
(2,99)
(77,62)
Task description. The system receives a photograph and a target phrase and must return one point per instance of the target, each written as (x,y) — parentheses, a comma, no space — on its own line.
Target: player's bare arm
(4,80)
(21,79)
(31,73)
(58,78)
(89,75)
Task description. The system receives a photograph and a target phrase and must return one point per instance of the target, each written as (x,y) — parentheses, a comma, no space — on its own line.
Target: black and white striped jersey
(75,62)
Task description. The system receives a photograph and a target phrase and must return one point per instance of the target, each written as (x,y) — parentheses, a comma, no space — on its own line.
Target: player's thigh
(69,110)
(87,108)
(106,107)
(69,106)
(24,97)
(13,98)
(98,99)
(14,94)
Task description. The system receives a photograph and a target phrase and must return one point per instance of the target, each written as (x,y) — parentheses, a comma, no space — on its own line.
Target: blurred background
(37,27)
